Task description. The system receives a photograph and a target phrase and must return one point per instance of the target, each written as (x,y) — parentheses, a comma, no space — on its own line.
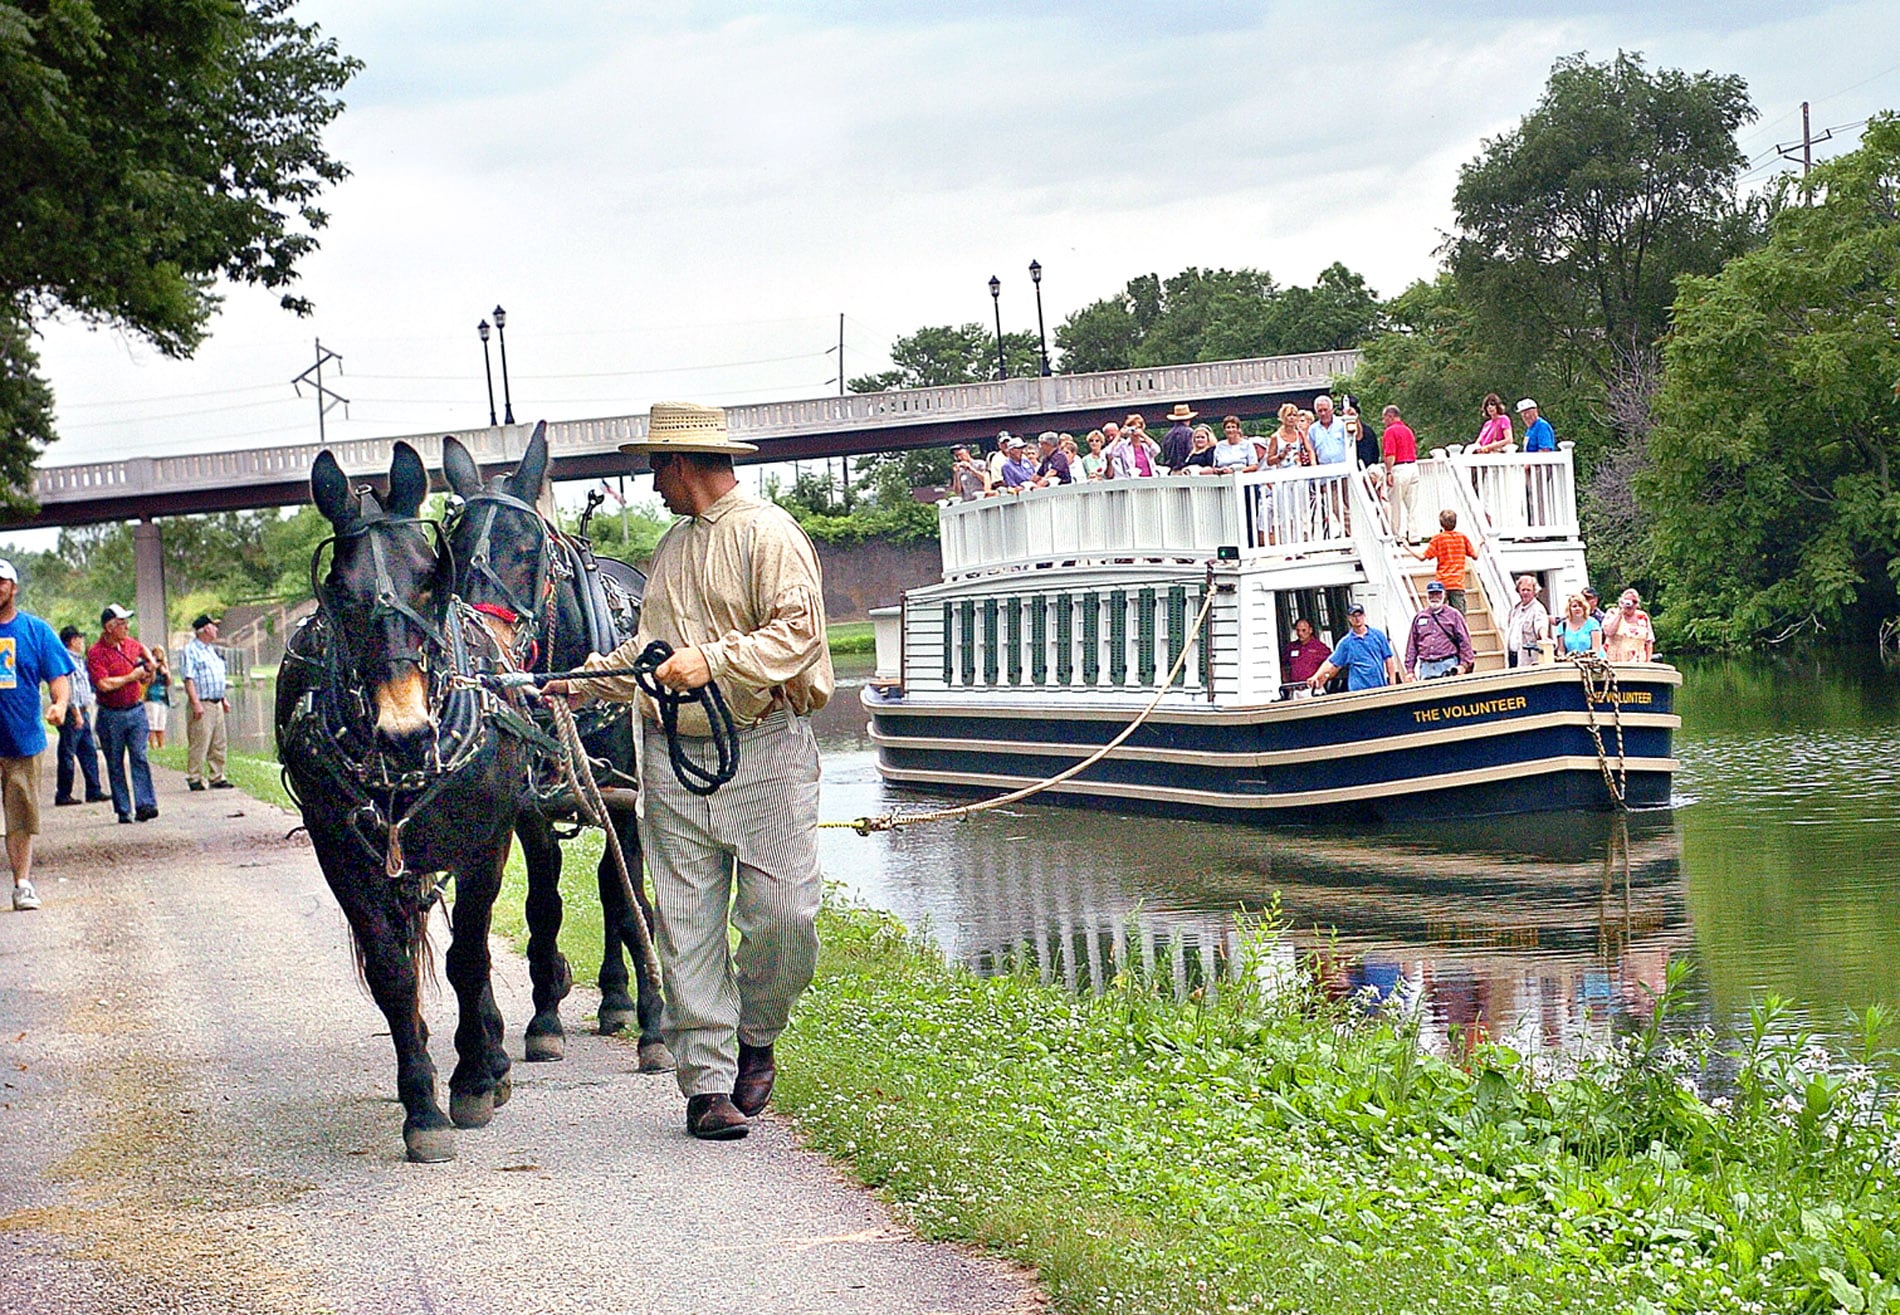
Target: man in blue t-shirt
(30,653)
(1538,435)
(1364,654)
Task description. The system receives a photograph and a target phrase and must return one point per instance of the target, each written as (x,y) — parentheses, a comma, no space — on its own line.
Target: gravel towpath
(198,1115)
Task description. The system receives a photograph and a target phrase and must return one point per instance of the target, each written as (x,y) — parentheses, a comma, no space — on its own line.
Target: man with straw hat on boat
(735,590)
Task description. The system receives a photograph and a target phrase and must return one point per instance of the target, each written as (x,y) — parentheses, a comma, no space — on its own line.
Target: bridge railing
(999,400)
(1184,517)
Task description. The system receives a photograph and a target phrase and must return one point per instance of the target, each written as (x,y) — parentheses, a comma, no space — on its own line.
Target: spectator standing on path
(1180,440)
(1538,435)
(1364,654)
(77,744)
(29,654)
(1528,624)
(735,588)
(201,667)
(1451,550)
(1327,434)
(1439,644)
(1399,445)
(158,698)
(119,666)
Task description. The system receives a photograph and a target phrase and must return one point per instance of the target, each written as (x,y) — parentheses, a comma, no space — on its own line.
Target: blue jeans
(123,732)
(1433,668)
(76,745)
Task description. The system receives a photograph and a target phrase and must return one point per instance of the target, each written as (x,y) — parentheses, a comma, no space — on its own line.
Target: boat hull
(1503,742)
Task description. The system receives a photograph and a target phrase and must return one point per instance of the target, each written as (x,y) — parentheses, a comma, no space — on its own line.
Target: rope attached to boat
(864,826)
(1599,686)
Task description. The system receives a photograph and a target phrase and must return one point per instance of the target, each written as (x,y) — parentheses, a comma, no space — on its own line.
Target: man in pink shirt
(1399,446)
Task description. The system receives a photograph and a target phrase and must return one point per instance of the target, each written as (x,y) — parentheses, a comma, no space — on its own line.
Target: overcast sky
(676,200)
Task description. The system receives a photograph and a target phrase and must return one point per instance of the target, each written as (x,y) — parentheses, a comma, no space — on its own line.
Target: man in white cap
(30,653)
(1538,435)
(735,589)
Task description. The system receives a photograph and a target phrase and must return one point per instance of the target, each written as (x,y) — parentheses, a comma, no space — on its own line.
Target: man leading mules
(735,590)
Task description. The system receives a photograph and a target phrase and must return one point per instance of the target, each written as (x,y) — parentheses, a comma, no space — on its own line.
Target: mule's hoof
(540,1048)
(473,1111)
(656,1058)
(613,1021)
(429,1145)
(504,1088)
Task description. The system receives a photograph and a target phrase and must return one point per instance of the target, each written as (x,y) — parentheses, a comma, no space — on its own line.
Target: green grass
(1261,1148)
(851,637)
(257,777)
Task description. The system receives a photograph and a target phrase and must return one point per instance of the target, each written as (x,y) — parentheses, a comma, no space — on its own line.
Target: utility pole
(326,397)
(844,463)
(1805,146)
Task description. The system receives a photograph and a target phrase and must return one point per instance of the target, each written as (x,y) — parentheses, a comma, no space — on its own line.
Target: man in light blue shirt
(1538,435)
(1328,433)
(202,668)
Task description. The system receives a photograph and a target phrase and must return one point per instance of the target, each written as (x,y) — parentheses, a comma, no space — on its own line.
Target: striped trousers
(748,853)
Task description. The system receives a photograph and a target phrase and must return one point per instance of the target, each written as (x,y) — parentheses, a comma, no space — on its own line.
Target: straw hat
(684,427)
(1181,412)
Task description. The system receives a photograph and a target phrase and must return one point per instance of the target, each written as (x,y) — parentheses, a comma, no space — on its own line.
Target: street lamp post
(996,299)
(488,371)
(1035,277)
(507,402)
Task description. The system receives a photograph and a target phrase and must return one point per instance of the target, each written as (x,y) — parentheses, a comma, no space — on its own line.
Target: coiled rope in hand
(864,826)
(1600,686)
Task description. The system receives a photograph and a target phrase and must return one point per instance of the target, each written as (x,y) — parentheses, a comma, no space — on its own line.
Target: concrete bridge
(148,488)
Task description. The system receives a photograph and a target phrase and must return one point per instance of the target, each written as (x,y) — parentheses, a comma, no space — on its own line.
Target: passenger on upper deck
(1494,436)
(1018,473)
(996,460)
(1095,463)
(1438,643)
(1628,635)
(1287,446)
(1364,654)
(1328,436)
(968,478)
(1052,465)
(1399,448)
(1200,457)
(1304,654)
(1538,435)
(1234,453)
(1131,453)
(1180,440)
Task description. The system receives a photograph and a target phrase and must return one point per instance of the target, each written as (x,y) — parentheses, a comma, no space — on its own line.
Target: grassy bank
(1259,1149)
(257,777)
(851,637)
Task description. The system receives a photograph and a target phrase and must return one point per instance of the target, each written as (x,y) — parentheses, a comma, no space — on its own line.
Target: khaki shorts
(20,794)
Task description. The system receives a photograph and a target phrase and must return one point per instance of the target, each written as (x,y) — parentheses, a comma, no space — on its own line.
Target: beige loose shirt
(741,582)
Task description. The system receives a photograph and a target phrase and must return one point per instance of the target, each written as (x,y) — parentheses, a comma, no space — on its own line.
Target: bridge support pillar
(148,560)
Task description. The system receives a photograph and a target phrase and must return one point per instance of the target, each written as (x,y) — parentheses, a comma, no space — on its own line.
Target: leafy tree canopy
(150,148)
(1770,488)
(944,354)
(1216,315)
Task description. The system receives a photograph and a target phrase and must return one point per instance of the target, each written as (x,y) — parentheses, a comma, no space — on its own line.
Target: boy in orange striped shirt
(1451,550)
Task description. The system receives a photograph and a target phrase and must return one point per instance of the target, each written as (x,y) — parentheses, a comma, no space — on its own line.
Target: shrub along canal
(1107,1098)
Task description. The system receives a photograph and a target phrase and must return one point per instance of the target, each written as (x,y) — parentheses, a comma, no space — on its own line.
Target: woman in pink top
(1495,436)
(1628,635)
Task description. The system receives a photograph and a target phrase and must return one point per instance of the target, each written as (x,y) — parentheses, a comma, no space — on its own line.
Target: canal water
(1777,871)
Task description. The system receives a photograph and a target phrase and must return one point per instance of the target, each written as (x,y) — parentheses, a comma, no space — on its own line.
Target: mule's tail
(417,942)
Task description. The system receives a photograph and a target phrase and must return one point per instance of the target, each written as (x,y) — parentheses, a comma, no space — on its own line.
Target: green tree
(150,148)
(1770,485)
(943,354)
(1573,227)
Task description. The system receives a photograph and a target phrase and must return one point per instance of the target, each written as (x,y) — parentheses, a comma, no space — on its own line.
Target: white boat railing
(1521,495)
(1443,484)
(1261,514)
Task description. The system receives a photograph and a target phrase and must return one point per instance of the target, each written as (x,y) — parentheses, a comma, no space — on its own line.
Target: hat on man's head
(1182,413)
(1014,442)
(114,612)
(1357,609)
(1435,587)
(1526,404)
(1589,591)
(7,572)
(69,632)
(202,620)
(684,427)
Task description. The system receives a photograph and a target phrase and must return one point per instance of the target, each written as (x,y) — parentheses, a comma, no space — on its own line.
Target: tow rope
(1600,686)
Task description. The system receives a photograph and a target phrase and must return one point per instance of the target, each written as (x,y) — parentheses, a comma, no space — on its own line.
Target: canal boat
(1063,610)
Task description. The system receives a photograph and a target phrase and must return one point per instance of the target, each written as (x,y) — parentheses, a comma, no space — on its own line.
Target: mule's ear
(408,482)
(532,473)
(330,490)
(464,476)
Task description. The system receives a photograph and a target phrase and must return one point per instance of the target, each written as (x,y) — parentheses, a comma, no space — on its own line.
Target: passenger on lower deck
(1364,654)
(1439,644)
(1303,654)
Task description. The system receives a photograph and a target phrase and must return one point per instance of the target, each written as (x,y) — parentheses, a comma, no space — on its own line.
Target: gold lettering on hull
(1466,711)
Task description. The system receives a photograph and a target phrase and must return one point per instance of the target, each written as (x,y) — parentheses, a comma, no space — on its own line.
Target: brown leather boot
(756,1074)
(713,1117)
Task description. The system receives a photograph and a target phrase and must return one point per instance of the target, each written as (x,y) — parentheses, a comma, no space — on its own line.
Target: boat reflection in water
(1539,930)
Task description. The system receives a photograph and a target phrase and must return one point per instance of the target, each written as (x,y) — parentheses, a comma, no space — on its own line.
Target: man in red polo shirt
(1399,446)
(120,667)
